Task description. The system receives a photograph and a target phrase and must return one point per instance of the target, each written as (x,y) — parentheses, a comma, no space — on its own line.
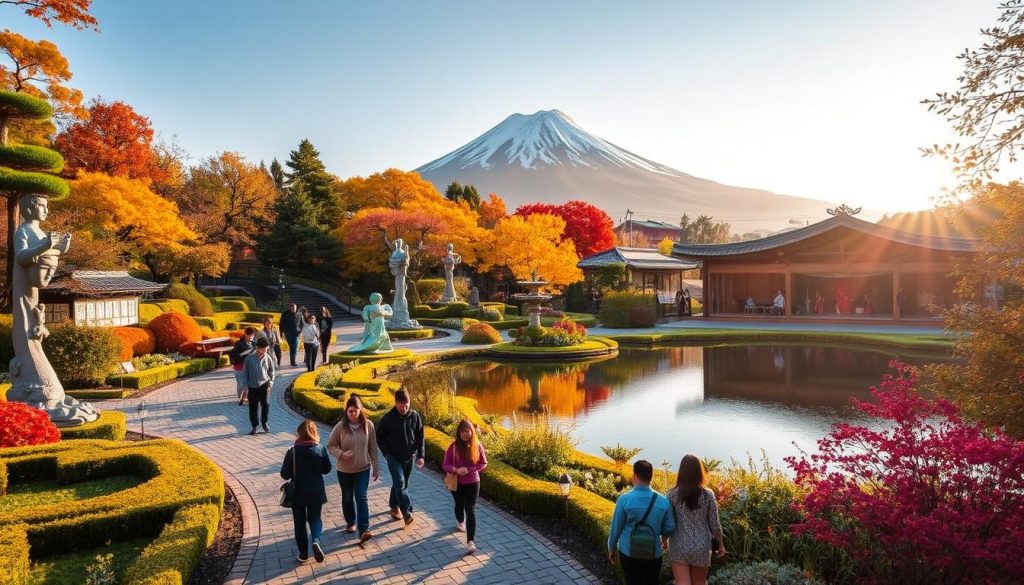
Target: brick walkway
(204,412)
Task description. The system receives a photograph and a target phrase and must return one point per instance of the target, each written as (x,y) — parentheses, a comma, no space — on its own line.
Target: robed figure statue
(375,336)
(399,264)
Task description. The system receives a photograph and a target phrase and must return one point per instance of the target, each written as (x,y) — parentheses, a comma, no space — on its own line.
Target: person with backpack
(306,463)
(243,347)
(465,459)
(698,531)
(326,324)
(642,518)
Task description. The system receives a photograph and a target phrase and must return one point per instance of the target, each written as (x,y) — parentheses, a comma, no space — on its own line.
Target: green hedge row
(923,342)
(234,303)
(220,321)
(14,563)
(172,556)
(111,425)
(412,333)
(147,378)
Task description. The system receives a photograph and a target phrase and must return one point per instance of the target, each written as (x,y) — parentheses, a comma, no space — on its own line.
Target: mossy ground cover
(48,491)
(71,568)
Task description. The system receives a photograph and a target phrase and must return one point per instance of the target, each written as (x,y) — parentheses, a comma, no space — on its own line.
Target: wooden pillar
(706,293)
(789,293)
(896,316)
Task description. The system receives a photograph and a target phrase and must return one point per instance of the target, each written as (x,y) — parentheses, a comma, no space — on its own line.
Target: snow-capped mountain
(548,157)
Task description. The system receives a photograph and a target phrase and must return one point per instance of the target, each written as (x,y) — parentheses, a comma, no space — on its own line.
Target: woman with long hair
(354,443)
(697,524)
(305,464)
(326,324)
(466,458)
(311,342)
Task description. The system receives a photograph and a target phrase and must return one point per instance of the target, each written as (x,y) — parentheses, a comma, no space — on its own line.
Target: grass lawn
(924,341)
(32,493)
(71,568)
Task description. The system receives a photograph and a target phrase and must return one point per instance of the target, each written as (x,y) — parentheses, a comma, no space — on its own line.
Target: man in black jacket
(290,327)
(400,438)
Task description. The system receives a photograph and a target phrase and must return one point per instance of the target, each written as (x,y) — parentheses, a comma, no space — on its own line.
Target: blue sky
(816,99)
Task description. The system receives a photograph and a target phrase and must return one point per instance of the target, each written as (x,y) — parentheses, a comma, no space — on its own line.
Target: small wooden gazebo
(646,269)
(96,297)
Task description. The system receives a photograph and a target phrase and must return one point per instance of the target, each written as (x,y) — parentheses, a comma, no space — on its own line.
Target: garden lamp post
(351,294)
(280,284)
(143,411)
(564,487)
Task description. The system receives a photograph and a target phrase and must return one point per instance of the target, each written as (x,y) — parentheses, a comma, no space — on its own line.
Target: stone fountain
(533,299)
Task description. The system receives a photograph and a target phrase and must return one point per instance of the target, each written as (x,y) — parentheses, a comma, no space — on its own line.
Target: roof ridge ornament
(843,209)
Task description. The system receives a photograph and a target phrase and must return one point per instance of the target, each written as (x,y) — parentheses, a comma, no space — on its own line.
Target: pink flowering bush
(929,498)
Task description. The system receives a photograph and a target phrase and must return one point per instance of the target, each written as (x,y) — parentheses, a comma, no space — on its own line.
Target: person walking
(273,337)
(290,326)
(400,438)
(353,442)
(242,349)
(258,372)
(698,531)
(326,324)
(687,305)
(306,463)
(465,459)
(641,516)
(311,342)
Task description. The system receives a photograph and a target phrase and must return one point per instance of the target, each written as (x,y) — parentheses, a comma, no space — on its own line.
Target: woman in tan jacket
(354,443)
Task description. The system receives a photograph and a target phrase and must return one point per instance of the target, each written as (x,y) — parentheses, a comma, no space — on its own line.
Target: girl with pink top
(466,458)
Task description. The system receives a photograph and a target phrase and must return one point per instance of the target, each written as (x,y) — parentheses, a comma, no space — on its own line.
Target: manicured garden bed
(405,334)
(591,347)
(906,341)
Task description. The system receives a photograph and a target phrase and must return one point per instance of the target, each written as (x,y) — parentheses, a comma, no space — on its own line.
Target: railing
(270,275)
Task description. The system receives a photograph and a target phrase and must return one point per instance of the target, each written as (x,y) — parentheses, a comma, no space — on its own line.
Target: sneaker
(318,551)
(241,401)
(460,526)
(471,548)
(365,536)
(396,514)
(253,431)
(409,520)
(302,560)
(266,429)
(351,528)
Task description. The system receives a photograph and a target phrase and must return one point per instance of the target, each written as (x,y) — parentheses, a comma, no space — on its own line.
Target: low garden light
(142,411)
(564,487)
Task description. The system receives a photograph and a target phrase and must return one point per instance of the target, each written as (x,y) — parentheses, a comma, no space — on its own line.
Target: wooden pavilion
(646,269)
(96,297)
(843,269)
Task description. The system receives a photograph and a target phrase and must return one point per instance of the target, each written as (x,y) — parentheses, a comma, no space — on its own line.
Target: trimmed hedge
(412,333)
(480,333)
(167,305)
(111,425)
(81,356)
(171,558)
(147,378)
(628,309)
(230,305)
(135,341)
(31,158)
(449,310)
(148,312)
(14,563)
(174,330)
(198,305)
(54,188)
(221,320)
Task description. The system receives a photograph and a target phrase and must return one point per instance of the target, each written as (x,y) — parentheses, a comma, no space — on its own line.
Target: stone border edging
(250,530)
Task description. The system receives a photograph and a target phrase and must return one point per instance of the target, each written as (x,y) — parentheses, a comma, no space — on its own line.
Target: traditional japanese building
(96,297)
(842,268)
(646,269)
(652,231)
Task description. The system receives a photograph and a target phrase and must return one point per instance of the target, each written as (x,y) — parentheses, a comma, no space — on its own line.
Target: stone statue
(399,263)
(33,380)
(474,297)
(450,261)
(375,336)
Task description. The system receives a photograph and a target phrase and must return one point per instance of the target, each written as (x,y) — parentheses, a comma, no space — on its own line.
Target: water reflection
(721,402)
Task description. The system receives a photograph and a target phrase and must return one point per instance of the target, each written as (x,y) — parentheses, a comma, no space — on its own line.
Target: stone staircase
(313,299)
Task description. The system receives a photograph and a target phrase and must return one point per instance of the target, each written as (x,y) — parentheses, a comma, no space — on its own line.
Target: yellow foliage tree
(665,246)
(532,244)
(392,188)
(228,199)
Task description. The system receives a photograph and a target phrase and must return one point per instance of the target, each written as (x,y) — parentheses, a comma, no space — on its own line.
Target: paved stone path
(204,412)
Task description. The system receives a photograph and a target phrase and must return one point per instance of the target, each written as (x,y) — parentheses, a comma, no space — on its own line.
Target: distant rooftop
(102,283)
(648,223)
(641,258)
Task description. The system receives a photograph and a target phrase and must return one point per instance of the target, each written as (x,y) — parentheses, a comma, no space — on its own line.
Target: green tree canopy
(298,237)
(308,170)
(703,230)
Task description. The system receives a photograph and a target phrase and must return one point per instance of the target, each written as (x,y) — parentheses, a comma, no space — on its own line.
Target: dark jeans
(301,516)
(465,506)
(258,399)
(277,353)
(640,571)
(400,472)
(353,499)
(324,343)
(293,347)
(311,351)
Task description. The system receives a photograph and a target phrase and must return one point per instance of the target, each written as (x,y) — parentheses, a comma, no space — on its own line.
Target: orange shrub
(135,341)
(173,330)
(480,333)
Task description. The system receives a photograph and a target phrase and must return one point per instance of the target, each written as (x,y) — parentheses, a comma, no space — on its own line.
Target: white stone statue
(33,380)
(450,261)
(399,263)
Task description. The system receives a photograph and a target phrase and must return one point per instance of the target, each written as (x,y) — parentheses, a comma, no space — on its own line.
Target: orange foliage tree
(74,13)
(392,188)
(588,226)
(532,244)
(492,211)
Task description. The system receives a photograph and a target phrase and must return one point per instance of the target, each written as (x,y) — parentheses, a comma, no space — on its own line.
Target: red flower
(21,425)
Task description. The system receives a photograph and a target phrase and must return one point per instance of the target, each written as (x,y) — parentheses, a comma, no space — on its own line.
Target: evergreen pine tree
(298,237)
(453,192)
(309,170)
(277,173)
(472,196)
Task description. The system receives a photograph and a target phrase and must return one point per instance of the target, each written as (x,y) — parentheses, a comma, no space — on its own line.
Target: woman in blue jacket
(305,464)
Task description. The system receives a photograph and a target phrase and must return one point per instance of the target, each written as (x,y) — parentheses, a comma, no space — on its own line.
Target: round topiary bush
(198,304)
(173,330)
(490,315)
(480,333)
(135,341)
(430,289)
(21,425)
(81,356)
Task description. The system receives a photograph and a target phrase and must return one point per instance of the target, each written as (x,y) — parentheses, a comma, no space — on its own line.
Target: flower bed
(155,375)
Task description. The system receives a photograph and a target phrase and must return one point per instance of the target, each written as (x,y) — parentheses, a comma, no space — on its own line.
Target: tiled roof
(645,258)
(102,283)
(933,242)
(647,223)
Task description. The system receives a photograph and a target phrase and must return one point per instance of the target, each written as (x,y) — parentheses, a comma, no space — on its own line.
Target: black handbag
(714,541)
(288,487)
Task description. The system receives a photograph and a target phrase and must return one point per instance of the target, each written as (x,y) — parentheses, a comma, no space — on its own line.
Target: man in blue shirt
(630,509)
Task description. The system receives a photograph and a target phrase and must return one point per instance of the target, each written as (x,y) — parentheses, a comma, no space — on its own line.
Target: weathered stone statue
(450,261)
(399,263)
(375,336)
(33,380)
(474,297)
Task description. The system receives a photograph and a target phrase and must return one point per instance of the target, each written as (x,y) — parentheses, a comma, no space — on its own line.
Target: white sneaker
(471,549)
(460,526)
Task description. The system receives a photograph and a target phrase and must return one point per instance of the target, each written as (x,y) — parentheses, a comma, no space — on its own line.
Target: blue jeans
(353,499)
(302,515)
(293,347)
(400,471)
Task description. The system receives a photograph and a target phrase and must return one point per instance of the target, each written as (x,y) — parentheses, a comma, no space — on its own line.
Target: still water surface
(719,402)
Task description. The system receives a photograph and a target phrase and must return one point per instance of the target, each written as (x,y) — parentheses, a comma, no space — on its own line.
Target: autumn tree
(298,237)
(114,140)
(588,226)
(309,171)
(665,246)
(492,211)
(228,199)
(532,244)
(74,13)
(703,230)
(391,188)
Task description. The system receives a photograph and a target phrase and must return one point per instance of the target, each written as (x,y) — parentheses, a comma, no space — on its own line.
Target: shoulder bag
(288,487)
(714,541)
(643,542)
(451,480)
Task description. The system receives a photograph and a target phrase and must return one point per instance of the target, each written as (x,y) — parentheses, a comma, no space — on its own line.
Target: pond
(721,402)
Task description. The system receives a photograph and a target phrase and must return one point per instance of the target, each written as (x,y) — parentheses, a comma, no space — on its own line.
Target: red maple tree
(115,140)
(589,227)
